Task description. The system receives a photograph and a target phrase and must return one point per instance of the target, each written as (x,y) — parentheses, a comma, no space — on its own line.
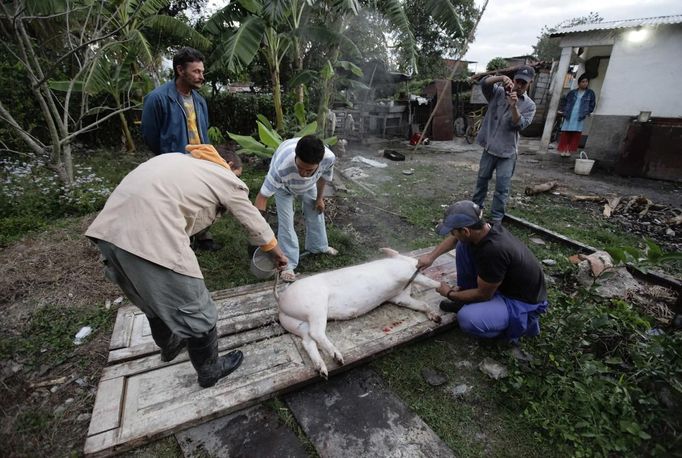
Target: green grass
(580,223)
(48,338)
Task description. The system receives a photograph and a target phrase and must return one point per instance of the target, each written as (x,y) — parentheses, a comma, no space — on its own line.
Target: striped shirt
(283,173)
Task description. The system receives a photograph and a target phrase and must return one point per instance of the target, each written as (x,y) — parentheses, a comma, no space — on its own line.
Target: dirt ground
(59,269)
(447,171)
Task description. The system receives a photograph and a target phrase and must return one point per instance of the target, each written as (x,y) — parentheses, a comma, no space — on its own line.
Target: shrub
(31,195)
(602,381)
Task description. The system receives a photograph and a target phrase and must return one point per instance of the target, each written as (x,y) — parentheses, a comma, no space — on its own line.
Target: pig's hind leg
(302,329)
(318,328)
(405,300)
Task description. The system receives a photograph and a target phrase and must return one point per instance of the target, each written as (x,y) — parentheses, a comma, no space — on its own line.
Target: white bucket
(262,265)
(583,165)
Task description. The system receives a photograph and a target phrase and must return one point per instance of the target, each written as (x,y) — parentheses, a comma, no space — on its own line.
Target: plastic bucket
(262,266)
(583,165)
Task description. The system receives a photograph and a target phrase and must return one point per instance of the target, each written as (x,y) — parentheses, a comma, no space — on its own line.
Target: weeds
(48,337)
(32,197)
(597,382)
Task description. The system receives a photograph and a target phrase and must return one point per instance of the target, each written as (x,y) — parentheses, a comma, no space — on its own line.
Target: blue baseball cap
(458,215)
(525,73)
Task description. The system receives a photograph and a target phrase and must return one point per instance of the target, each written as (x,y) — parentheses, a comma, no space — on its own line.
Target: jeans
(483,319)
(315,230)
(504,169)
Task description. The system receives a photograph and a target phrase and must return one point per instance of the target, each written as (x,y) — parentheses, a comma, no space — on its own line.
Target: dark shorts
(183,303)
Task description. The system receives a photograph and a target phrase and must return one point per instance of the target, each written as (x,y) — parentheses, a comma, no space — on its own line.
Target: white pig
(306,305)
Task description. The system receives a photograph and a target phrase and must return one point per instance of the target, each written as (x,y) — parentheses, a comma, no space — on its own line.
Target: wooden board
(141,398)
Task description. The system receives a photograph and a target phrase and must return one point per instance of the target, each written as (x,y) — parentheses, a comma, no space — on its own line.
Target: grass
(579,222)
(48,338)
(598,384)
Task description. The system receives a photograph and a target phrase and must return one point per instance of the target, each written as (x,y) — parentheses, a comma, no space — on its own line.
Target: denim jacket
(587,103)
(164,121)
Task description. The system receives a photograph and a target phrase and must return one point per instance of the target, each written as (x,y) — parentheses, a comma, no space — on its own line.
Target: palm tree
(277,26)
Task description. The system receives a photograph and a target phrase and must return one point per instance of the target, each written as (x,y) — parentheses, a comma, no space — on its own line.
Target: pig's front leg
(405,300)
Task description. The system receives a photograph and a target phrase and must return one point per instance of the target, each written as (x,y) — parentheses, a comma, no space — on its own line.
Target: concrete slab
(355,415)
(255,432)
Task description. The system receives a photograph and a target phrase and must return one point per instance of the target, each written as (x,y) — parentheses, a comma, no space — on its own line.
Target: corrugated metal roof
(623,24)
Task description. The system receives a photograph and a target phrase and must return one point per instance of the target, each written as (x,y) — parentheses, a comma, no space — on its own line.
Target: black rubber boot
(203,352)
(170,344)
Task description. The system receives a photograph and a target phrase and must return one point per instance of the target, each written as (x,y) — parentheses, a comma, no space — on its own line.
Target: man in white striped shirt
(299,167)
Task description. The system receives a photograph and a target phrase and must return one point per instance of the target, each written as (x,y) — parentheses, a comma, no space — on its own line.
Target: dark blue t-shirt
(501,257)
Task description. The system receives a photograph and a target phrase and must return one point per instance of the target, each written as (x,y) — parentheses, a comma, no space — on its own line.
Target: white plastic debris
(493,369)
(549,262)
(118,300)
(82,334)
(371,162)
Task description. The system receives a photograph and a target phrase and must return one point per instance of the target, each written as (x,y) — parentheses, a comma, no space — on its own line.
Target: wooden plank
(239,310)
(161,399)
(251,310)
(120,337)
(105,414)
(144,398)
(142,364)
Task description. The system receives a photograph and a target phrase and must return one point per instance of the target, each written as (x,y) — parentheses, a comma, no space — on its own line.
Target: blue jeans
(315,230)
(497,316)
(504,169)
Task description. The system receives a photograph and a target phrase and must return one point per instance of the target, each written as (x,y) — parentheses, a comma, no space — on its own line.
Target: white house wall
(644,76)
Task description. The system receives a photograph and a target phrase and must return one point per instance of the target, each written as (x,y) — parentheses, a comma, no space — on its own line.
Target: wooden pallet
(140,398)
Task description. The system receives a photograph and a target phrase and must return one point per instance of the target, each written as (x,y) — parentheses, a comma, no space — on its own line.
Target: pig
(343,294)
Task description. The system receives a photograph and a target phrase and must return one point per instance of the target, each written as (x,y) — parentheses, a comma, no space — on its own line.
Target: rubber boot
(203,352)
(170,344)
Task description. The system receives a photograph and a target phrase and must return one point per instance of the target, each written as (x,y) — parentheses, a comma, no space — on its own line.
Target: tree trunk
(328,85)
(130,144)
(298,60)
(277,100)
(326,93)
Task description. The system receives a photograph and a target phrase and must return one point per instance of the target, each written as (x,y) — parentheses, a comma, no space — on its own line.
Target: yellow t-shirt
(192,129)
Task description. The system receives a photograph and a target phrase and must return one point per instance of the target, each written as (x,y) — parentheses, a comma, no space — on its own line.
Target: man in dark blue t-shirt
(500,284)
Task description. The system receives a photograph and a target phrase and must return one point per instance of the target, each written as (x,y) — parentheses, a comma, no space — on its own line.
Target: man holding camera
(510,110)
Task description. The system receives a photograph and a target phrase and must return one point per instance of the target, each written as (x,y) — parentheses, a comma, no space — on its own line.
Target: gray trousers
(183,303)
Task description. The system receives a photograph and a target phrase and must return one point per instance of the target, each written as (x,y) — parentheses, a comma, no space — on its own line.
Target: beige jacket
(157,206)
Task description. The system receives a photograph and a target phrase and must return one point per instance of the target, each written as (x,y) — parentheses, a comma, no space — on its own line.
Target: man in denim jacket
(510,110)
(174,115)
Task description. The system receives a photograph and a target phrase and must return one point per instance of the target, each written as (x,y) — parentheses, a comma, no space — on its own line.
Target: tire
(460,126)
(471,135)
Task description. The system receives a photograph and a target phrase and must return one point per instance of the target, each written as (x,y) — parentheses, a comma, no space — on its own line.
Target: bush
(31,195)
(237,112)
(602,381)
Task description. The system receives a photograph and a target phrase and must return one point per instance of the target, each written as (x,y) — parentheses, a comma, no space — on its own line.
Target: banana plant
(268,138)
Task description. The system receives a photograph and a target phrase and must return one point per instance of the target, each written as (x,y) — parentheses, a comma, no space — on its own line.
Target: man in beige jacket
(143,233)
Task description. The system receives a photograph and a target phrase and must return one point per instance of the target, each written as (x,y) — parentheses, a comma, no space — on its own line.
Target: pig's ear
(389,252)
